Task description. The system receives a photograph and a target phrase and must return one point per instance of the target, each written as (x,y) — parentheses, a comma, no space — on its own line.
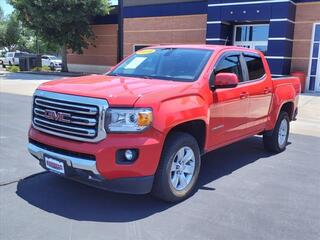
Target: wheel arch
(287,107)
(196,128)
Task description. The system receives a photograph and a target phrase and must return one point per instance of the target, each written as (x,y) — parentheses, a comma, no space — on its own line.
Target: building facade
(287,31)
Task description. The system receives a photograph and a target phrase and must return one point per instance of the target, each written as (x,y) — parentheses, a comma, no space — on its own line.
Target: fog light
(129,155)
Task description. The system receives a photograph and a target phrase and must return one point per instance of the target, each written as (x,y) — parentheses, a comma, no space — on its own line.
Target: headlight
(128,119)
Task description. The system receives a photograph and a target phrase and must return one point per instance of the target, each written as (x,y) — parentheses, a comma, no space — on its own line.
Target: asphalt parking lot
(243,191)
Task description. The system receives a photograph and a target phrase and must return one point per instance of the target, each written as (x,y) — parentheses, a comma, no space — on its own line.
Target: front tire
(178,169)
(276,141)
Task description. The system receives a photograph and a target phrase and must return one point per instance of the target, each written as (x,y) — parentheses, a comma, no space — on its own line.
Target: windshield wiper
(113,74)
(146,77)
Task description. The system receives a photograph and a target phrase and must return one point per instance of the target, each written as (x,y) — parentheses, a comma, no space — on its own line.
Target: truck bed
(287,80)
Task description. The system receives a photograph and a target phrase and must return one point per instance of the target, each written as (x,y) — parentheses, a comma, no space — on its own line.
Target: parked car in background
(12,58)
(51,61)
(143,126)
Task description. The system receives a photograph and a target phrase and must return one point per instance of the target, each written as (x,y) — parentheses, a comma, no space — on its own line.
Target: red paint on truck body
(228,114)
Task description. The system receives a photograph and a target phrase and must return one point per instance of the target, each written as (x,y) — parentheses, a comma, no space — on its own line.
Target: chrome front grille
(69,116)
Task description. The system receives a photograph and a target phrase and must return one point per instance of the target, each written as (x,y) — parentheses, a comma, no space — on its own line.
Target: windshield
(177,64)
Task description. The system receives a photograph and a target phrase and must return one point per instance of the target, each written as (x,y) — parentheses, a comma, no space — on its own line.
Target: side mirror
(226,80)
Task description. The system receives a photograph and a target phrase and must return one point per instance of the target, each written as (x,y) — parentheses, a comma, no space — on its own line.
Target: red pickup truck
(144,125)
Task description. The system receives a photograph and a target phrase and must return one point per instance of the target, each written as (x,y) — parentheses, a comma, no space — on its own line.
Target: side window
(255,67)
(230,64)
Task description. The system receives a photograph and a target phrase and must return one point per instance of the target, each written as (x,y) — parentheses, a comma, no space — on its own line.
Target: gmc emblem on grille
(57,116)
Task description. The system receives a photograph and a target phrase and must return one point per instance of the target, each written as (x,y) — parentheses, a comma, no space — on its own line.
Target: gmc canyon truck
(144,125)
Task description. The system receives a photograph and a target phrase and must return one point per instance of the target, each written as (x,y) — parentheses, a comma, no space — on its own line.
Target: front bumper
(95,163)
(72,162)
(84,170)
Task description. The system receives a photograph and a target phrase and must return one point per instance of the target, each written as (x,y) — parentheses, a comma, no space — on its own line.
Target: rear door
(259,87)
(229,110)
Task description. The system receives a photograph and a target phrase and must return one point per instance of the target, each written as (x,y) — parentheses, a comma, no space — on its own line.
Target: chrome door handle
(244,95)
(266,90)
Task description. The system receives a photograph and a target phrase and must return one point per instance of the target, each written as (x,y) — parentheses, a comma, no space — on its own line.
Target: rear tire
(276,140)
(178,169)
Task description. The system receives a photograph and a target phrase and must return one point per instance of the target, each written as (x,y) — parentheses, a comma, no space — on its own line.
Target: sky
(8,8)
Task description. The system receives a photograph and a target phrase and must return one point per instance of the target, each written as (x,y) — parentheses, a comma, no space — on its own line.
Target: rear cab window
(255,66)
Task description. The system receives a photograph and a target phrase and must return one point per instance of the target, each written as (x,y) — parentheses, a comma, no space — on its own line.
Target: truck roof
(204,46)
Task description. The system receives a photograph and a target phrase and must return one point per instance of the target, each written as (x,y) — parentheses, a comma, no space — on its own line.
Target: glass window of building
(252,36)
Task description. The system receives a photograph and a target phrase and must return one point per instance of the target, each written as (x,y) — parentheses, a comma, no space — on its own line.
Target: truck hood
(118,91)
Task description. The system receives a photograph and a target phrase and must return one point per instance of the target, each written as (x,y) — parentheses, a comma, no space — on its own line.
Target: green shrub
(13,69)
(41,69)
(46,69)
(36,69)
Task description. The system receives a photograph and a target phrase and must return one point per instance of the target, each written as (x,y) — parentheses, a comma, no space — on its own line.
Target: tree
(14,36)
(29,42)
(9,32)
(63,22)
(1,14)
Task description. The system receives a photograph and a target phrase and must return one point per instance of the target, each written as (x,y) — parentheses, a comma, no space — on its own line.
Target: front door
(229,109)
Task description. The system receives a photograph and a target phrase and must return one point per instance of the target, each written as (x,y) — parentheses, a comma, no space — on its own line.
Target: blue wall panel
(219,30)
(317,33)
(239,1)
(281,29)
(283,10)
(315,59)
(282,48)
(246,12)
(314,65)
(315,50)
(236,13)
(109,19)
(214,14)
(280,66)
(169,9)
(312,81)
